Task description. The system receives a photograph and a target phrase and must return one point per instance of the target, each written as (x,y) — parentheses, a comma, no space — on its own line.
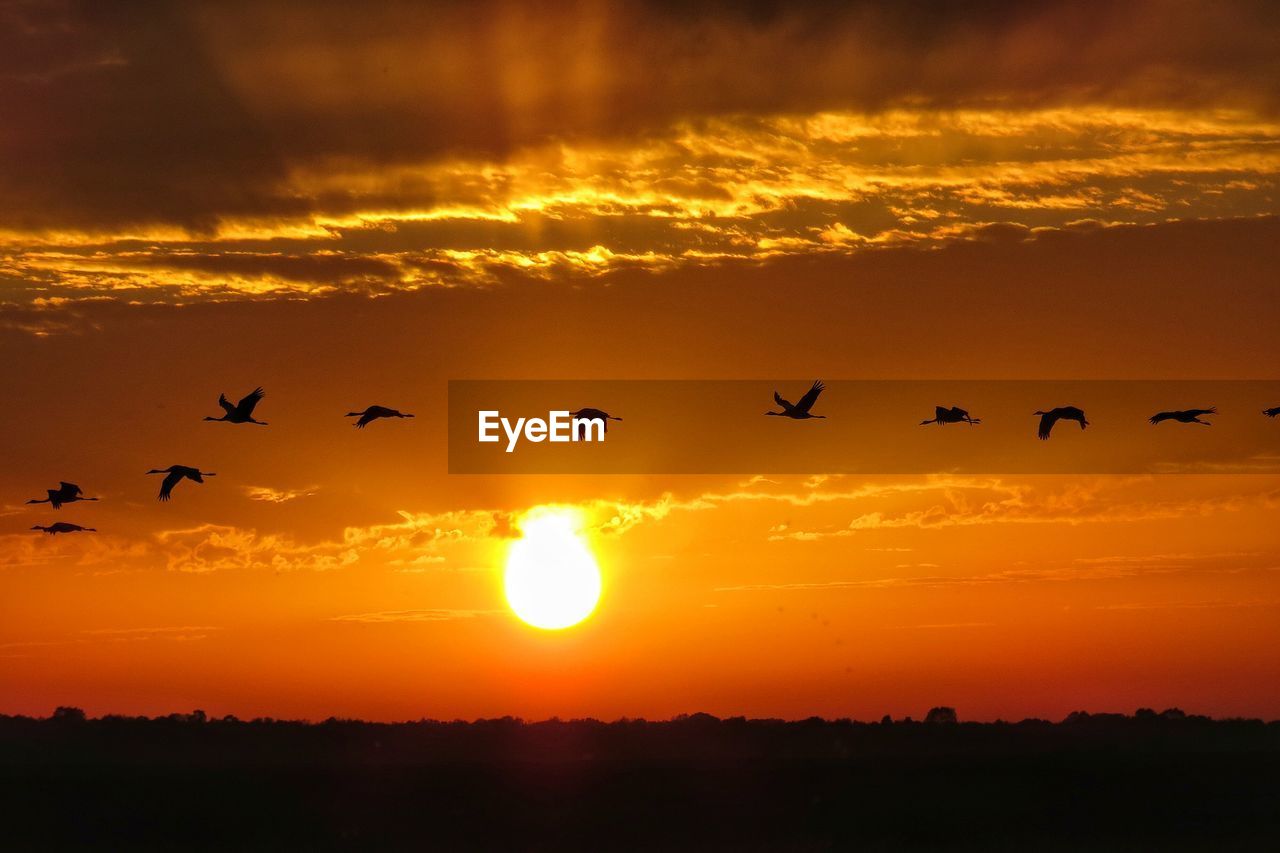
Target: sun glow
(552,580)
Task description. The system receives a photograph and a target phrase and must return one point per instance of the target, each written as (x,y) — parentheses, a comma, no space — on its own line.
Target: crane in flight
(594,415)
(799,411)
(242,412)
(953,415)
(64,527)
(1062,413)
(176,475)
(66,493)
(1272,412)
(1187,416)
(372,413)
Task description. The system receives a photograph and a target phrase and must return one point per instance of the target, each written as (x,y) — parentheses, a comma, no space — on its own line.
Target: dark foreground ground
(1105,782)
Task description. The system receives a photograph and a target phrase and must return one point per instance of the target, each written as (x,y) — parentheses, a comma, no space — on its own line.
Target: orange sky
(349,207)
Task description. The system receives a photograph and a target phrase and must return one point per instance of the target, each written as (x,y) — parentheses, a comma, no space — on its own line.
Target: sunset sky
(355,203)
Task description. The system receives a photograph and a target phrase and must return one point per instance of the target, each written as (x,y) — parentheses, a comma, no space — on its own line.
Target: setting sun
(552,580)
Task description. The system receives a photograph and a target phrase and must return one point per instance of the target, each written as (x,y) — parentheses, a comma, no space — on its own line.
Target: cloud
(424,542)
(277,496)
(397,148)
(384,616)
(1049,574)
(971,502)
(1211,604)
(216,547)
(79,551)
(180,633)
(411,542)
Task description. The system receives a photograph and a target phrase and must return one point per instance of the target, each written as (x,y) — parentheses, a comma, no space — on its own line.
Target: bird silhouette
(64,527)
(1062,413)
(66,493)
(242,412)
(799,411)
(176,474)
(1272,412)
(953,415)
(1189,416)
(594,415)
(372,413)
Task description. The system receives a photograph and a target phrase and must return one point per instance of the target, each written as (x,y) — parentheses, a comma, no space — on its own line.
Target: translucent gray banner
(864,427)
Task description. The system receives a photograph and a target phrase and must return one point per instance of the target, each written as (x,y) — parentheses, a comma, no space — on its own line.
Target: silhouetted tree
(68,714)
(941,715)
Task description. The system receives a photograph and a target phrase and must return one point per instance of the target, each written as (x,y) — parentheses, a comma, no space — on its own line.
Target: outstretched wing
(226,404)
(68,490)
(246,404)
(811,396)
(1212,410)
(370,415)
(785,404)
(1047,420)
(1161,416)
(55,498)
(170,481)
(589,414)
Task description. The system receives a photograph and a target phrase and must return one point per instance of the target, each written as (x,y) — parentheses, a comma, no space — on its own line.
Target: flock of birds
(955,415)
(237,413)
(242,413)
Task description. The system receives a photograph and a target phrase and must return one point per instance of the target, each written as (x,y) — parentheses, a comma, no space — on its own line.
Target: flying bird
(176,474)
(593,415)
(1190,416)
(1062,413)
(242,412)
(372,413)
(953,415)
(65,527)
(66,493)
(1272,412)
(799,411)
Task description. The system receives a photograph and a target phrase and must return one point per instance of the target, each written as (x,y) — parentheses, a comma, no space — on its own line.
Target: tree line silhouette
(1152,780)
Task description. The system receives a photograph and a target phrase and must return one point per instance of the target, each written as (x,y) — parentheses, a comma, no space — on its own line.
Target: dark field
(1149,782)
